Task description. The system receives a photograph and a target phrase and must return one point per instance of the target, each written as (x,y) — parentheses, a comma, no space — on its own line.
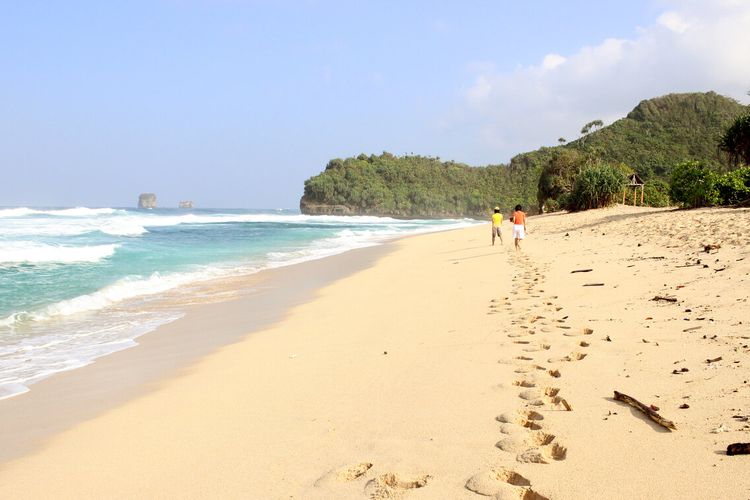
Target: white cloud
(694,46)
(673,22)
(551,61)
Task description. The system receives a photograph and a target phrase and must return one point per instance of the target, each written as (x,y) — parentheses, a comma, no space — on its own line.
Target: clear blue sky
(236,103)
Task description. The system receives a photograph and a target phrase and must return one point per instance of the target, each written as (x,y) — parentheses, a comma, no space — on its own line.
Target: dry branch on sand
(645,409)
(665,298)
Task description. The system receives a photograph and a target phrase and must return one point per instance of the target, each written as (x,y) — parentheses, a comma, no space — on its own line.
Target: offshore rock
(147,200)
(185,204)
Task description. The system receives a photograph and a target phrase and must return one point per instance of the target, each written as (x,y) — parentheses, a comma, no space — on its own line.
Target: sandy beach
(435,367)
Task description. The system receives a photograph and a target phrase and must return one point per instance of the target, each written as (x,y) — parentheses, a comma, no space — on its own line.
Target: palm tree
(736,141)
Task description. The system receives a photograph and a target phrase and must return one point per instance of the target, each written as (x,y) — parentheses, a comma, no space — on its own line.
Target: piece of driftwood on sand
(738,449)
(645,409)
(581,271)
(664,298)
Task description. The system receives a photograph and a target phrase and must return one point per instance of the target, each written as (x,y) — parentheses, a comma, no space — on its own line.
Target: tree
(561,141)
(557,176)
(736,141)
(591,126)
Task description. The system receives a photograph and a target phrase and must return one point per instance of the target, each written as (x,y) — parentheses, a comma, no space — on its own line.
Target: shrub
(595,187)
(734,186)
(656,194)
(693,184)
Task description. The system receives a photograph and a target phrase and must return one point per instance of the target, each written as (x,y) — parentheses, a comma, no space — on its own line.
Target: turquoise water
(78,283)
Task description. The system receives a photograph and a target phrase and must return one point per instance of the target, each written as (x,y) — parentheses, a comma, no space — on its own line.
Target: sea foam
(65,212)
(20,252)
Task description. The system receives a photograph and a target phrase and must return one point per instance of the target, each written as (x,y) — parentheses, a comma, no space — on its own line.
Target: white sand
(434,366)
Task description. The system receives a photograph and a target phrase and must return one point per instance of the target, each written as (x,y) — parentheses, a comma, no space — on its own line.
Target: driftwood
(594,284)
(713,360)
(646,410)
(665,298)
(738,449)
(581,271)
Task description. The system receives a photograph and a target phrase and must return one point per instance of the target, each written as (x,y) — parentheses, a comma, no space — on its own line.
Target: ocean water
(80,283)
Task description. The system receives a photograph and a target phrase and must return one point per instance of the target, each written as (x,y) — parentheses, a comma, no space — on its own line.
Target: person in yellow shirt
(497,219)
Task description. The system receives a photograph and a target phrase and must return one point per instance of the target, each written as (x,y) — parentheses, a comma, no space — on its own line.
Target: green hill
(654,136)
(415,186)
(662,131)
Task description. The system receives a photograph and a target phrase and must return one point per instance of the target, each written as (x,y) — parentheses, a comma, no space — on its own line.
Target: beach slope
(453,369)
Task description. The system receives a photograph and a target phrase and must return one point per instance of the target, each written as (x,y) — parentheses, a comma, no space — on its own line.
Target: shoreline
(67,398)
(452,369)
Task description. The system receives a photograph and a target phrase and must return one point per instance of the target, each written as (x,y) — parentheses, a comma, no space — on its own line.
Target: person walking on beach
(519,226)
(497,219)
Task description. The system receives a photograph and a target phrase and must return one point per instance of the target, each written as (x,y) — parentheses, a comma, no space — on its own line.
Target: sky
(234,103)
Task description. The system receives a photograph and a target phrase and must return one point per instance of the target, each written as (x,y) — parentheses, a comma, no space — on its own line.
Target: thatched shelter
(634,182)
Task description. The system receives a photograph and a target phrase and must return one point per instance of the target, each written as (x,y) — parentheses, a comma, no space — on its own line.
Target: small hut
(634,182)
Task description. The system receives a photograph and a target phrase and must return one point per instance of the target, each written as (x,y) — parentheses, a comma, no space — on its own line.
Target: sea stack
(185,204)
(147,200)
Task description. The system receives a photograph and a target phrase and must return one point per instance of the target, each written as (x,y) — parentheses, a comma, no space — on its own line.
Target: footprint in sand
(528,419)
(516,335)
(573,356)
(549,397)
(502,484)
(540,346)
(343,474)
(524,382)
(535,447)
(389,485)
(543,454)
(528,368)
(554,373)
(577,333)
(531,394)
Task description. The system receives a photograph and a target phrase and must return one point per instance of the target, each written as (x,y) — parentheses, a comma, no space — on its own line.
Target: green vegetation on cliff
(656,135)
(416,186)
(661,132)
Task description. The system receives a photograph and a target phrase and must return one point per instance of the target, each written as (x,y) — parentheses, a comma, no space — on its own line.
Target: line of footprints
(538,325)
(524,436)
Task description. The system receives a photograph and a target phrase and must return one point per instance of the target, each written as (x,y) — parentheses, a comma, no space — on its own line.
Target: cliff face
(147,200)
(312,208)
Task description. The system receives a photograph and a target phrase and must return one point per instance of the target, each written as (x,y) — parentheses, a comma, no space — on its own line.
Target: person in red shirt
(519,226)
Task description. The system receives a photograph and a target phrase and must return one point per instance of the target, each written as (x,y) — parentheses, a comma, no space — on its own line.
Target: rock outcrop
(147,200)
(185,204)
(311,208)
